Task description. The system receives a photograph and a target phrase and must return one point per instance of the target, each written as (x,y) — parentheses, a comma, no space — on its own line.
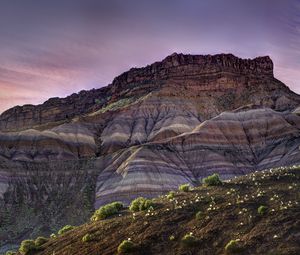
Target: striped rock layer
(154,128)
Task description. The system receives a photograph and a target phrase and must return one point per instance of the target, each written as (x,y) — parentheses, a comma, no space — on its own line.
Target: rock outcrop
(172,122)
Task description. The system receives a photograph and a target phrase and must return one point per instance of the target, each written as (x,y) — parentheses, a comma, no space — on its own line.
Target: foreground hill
(229,212)
(172,122)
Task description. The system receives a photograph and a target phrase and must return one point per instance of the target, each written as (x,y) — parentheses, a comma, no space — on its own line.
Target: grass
(229,213)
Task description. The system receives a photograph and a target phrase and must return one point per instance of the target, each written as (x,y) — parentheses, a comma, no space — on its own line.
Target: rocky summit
(153,128)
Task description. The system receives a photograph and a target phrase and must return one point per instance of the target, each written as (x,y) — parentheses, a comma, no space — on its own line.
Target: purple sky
(54,48)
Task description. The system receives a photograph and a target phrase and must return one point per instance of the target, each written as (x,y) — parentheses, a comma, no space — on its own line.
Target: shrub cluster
(27,247)
(40,240)
(65,229)
(126,246)
(107,211)
(212,180)
(233,247)
(140,204)
(185,187)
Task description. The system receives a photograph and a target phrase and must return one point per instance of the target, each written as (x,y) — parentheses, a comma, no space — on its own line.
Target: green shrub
(171,195)
(262,210)
(212,180)
(140,204)
(189,240)
(65,229)
(126,246)
(40,241)
(87,238)
(185,187)
(10,253)
(107,211)
(27,247)
(199,215)
(233,247)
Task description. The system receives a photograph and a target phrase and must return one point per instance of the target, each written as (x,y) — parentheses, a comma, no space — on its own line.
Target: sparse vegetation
(107,211)
(185,187)
(140,204)
(233,247)
(205,218)
(212,180)
(126,246)
(65,229)
(189,240)
(262,210)
(40,241)
(27,247)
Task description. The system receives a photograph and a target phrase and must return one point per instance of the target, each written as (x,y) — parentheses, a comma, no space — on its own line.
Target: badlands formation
(153,128)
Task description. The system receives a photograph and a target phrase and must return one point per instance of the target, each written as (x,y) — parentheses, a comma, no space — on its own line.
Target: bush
(40,241)
(233,247)
(199,215)
(189,240)
(106,211)
(184,187)
(212,180)
(27,247)
(65,229)
(171,195)
(140,204)
(126,246)
(262,210)
(87,238)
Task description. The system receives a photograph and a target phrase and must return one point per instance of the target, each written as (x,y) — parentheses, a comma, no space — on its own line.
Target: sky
(58,47)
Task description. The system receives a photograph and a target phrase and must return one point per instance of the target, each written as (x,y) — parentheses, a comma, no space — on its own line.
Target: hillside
(229,212)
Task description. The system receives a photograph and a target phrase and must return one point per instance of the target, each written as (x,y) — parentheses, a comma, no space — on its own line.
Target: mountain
(151,129)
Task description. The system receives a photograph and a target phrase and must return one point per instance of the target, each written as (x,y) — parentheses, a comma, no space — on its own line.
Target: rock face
(153,128)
